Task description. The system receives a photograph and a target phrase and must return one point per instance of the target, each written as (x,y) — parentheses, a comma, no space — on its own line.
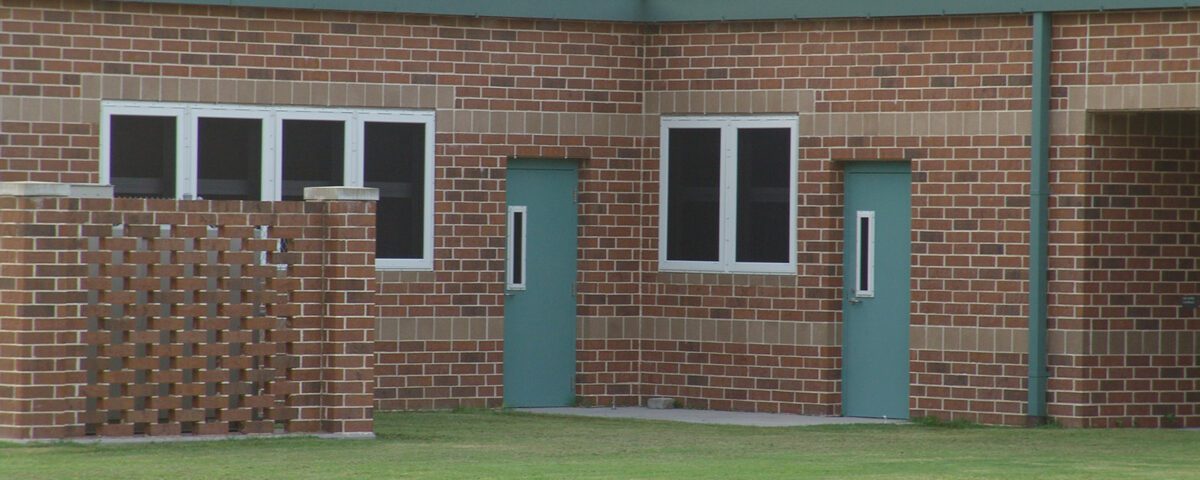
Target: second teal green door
(539,296)
(876,297)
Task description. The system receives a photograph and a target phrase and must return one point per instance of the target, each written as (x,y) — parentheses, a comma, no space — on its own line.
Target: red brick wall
(492,64)
(1125,48)
(1133,228)
(1121,216)
(496,64)
(969,208)
(948,94)
(859,65)
(487,65)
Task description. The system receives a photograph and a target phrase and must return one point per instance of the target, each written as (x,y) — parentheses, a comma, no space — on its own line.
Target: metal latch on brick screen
(1188,303)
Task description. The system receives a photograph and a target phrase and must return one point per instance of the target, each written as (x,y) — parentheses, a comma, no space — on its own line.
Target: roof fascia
(658,11)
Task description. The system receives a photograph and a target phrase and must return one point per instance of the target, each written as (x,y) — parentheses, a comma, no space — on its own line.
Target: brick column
(41,349)
(349,308)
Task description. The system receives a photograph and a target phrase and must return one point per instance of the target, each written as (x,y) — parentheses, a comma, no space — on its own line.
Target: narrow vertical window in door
(864,256)
(516,247)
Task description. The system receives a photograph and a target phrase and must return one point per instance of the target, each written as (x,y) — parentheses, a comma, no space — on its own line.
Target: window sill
(736,269)
(399,265)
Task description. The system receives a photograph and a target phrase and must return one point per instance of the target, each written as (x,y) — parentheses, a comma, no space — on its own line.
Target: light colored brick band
(742,331)
(439,328)
(545,123)
(968,339)
(731,101)
(265,92)
(1172,96)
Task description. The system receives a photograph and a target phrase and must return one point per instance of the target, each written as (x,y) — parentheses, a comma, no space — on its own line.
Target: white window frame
(187,153)
(354,174)
(183,173)
(510,282)
(869,215)
(350,161)
(727,251)
(190,187)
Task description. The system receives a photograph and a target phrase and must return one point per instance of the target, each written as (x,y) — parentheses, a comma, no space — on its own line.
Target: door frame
(533,164)
(875,167)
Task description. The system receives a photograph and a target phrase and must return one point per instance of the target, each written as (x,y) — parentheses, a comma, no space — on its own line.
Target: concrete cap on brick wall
(55,189)
(320,194)
(34,189)
(91,190)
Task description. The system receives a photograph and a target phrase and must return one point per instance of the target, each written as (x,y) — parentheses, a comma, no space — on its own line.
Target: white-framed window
(728,194)
(252,152)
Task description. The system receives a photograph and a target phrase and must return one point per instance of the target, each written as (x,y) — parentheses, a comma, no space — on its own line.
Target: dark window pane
(518,247)
(142,156)
(229,158)
(864,253)
(763,191)
(312,155)
(693,206)
(394,162)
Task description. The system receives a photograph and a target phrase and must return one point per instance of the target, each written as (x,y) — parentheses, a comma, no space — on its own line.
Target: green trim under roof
(698,10)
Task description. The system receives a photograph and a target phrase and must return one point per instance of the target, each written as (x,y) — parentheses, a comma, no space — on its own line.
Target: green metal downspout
(1039,194)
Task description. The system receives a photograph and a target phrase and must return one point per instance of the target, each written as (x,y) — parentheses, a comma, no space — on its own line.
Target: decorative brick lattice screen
(124,317)
(188,331)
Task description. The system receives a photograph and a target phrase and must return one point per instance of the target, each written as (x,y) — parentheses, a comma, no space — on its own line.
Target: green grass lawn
(486,444)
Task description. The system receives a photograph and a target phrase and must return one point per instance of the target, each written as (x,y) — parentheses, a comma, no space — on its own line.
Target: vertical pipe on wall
(1039,193)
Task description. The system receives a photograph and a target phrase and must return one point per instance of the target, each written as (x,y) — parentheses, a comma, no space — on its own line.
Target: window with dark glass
(864,254)
(229,158)
(313,155)
(694,194)
(728,194)
(763,164)
(142,155)
(394,162)
(271,153)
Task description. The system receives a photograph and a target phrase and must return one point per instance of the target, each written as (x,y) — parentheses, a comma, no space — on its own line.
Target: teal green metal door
(876,298)
(539,296)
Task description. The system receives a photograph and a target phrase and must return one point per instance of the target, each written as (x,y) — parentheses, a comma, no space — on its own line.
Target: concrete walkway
(711,417)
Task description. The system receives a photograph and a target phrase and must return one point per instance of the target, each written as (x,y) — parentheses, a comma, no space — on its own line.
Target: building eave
(657,11)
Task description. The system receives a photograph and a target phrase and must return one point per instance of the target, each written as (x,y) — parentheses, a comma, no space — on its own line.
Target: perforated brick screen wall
(158,317)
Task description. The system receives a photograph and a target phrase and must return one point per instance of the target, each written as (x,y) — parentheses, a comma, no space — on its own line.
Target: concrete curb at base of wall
(189,438)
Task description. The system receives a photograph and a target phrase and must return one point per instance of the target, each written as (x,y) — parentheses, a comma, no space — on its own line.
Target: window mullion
(106,142)
(430,178)
(186,154)
(353,159)
(728,198)
(276,120)
(270,174)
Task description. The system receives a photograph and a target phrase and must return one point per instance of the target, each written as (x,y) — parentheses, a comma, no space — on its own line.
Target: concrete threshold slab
(711,417)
